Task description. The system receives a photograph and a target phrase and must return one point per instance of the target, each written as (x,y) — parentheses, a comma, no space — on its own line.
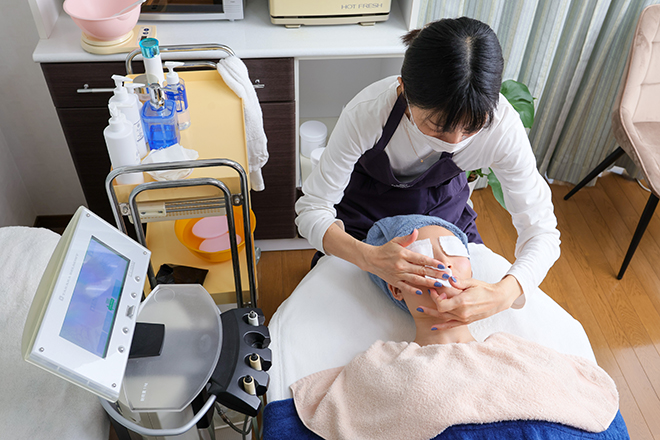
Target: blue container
(160,120)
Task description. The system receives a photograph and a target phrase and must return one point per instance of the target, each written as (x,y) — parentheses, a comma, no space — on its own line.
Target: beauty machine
(159,365)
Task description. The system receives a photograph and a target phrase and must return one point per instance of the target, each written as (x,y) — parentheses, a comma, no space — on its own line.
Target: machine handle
(112,412)
(183,48)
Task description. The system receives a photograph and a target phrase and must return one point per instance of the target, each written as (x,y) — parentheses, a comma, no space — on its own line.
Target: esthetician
(401,146)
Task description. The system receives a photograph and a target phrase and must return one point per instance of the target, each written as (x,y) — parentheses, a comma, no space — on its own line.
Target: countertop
(253,37)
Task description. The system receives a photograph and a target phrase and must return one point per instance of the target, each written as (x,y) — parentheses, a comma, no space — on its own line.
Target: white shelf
(253,37)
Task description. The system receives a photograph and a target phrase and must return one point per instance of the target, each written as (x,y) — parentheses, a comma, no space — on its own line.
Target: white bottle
(176,91)
(122,147)
(129,105)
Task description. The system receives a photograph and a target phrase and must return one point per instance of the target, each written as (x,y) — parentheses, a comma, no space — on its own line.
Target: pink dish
(218,244)
(94,17)
(210,227)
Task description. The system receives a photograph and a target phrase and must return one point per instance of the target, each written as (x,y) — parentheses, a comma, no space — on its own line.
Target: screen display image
(91,314)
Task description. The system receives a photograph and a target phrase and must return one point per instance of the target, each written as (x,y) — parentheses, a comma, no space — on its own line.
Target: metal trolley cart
(238,377)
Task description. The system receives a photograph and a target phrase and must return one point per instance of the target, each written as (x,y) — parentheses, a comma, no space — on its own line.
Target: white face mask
(435,143)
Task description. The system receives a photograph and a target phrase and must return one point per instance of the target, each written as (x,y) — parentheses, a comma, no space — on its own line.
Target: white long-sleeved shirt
(503,146)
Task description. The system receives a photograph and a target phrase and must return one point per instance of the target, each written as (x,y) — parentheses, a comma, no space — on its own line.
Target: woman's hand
(399,266)
(476,300)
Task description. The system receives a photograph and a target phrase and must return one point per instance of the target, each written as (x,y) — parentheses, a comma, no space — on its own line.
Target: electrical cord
(244,432)
(644,187)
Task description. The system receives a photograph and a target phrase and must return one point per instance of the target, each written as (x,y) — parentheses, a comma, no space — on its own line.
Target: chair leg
(609,160)
(639,232)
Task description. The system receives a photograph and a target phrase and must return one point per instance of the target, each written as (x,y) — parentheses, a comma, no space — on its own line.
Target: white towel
(399,390)
(235,74)
(35,404)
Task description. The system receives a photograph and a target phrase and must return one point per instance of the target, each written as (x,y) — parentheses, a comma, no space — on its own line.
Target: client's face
(460,266)
(445,251)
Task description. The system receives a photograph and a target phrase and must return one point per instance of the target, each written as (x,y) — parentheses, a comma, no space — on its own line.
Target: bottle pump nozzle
(172,77)
(121,88)
(156,96)
(117,118)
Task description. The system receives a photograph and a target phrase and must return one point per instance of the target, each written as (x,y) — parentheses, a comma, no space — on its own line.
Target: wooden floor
(621,318)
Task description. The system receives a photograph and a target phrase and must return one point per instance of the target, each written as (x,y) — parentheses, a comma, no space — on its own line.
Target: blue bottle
(160,120)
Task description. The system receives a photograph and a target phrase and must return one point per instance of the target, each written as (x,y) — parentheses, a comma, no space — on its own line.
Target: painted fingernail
(445,276)
(434,328)
(419,309)
(429,291)
(441,266)
(438,284)
(418,292)
(454,279)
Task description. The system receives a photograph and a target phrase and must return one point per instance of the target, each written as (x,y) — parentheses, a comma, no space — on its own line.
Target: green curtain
(571,54)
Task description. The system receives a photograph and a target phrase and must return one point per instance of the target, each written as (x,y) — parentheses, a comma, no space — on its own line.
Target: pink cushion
(636,115)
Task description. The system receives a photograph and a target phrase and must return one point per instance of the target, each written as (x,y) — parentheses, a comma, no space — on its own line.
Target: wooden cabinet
(83,117)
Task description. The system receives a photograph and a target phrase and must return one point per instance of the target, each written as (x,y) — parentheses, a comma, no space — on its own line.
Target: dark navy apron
(373,191)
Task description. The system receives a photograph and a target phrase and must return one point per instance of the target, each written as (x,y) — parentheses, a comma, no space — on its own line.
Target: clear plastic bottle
(175,90)
(129,104)
(160,122)
(122,148)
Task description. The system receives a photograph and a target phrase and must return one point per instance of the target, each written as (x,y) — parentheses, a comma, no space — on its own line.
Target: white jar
(315,156)
(313,135)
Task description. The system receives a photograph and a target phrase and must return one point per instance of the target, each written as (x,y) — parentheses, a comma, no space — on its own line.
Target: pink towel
(398,390)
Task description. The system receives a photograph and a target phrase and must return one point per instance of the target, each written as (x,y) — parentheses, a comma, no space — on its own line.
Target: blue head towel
(398,226)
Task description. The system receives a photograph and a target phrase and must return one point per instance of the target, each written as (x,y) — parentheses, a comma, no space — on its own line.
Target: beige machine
(293,13)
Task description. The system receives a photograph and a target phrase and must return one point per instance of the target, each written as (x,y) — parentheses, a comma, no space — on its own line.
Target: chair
(636,118)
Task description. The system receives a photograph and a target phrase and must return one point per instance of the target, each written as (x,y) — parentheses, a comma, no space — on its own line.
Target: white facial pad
(425,247)
(453,246)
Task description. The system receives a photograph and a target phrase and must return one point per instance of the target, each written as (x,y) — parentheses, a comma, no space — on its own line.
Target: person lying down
(416,390)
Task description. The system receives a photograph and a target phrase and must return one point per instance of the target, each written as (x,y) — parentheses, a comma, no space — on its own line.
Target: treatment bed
(336,312)
(35,404)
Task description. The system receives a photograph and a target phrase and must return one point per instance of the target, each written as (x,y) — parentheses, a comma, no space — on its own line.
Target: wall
(32,148)
(15,204)
(327,85)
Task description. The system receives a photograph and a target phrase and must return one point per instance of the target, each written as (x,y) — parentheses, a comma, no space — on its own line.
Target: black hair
(453,68)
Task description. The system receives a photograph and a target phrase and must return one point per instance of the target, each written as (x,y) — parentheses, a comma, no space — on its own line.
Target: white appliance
(181,10)
(293,13)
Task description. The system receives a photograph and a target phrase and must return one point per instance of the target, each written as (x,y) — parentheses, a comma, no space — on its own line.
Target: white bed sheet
(35,404)
(336,312)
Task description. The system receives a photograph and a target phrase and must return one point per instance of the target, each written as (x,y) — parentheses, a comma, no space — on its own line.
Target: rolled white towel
(235,74)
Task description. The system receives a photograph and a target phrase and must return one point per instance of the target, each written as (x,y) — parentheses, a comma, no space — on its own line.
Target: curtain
(571,54)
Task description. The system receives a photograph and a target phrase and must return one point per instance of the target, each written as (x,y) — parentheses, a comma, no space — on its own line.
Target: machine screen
(91,314)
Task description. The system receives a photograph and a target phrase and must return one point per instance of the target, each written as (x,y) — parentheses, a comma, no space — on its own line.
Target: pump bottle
(159,116)
(175,90)
(129,105)
(122,148)
(153,65)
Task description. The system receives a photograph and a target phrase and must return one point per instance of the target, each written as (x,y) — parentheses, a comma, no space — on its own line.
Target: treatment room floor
(622,318)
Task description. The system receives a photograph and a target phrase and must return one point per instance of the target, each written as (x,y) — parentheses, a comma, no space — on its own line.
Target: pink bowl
(94,17)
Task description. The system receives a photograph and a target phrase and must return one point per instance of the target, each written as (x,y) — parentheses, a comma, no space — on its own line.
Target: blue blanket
(281,422)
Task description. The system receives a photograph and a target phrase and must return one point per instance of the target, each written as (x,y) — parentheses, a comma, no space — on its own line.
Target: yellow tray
(216,131)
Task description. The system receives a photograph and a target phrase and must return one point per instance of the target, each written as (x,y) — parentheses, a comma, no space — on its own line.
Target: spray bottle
(153,65)
(122,148)
(129,105)
(175,90)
